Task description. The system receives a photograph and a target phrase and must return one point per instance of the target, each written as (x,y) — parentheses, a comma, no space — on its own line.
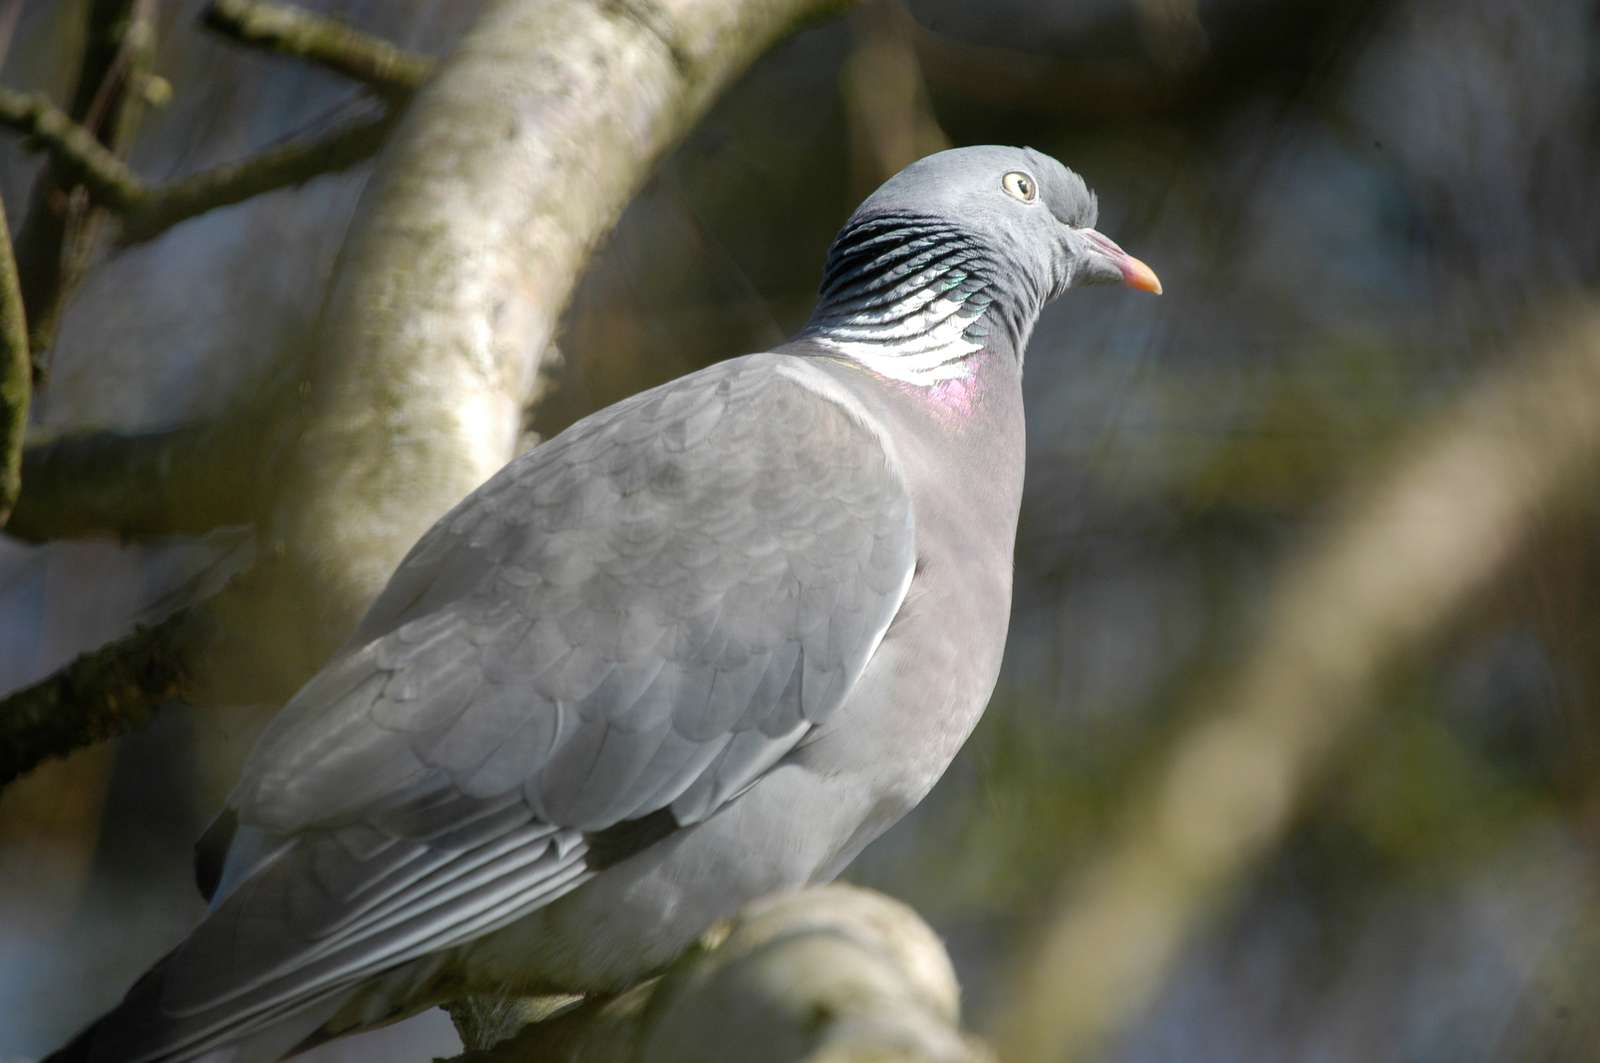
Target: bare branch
(108,692)
(291,164)
(1442,524)
(16,375)
(82,159)
(147,212)
(380,65)
(185,481)
(85,171)
(205,652)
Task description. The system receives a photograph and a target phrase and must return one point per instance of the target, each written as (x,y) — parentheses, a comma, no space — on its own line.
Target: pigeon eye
(1019,185)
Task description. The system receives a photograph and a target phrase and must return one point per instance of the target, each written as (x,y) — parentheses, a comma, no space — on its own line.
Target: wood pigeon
(702,646)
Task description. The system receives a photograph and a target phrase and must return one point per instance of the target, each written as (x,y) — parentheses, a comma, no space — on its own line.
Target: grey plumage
(706,643)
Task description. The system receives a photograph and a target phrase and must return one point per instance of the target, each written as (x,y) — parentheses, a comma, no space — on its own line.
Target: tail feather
(138,1031)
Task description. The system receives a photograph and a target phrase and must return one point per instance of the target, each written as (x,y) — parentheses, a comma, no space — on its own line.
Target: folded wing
(610,639)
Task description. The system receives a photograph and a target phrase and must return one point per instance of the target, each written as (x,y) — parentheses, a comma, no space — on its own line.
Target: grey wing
(641,614)
(632,622)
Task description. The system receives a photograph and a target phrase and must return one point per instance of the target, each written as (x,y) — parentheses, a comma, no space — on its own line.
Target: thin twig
(380,65)
(16,375)
(293,163)
(83,159)
(149,211)
(59,230)
(55,238)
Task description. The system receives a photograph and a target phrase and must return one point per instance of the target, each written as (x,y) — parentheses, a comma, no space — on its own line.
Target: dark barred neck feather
(909,296)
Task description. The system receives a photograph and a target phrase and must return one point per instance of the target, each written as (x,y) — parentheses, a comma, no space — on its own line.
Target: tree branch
(832,972)
(79,156)
(108,692)
(380,65)
(1439,527)
(184,481)
(290,164)
(16,375)
(85,169)
(148,212)
(207,651)
(507,169)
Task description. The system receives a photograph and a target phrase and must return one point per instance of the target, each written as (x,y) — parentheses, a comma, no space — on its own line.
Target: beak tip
(1135,274)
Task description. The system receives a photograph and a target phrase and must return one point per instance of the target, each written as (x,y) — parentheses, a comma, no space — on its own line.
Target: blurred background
(1359,209)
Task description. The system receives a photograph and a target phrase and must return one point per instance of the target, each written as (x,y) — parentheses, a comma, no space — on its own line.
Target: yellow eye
(1019,185)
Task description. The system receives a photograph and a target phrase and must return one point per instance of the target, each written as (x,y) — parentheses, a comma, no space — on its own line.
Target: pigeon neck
(917,299)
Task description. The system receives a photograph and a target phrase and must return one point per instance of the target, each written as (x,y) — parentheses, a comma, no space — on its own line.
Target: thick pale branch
(16,375)
(287,30)
(508,168)
(833,972)
(1441,524)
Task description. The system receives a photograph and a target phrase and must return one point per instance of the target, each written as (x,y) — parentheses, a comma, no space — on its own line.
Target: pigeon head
(958,253)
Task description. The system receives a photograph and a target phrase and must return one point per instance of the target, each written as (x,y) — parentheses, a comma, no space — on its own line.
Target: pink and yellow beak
(1135,274)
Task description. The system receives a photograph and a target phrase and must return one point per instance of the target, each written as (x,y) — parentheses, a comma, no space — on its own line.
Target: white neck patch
(922,343)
